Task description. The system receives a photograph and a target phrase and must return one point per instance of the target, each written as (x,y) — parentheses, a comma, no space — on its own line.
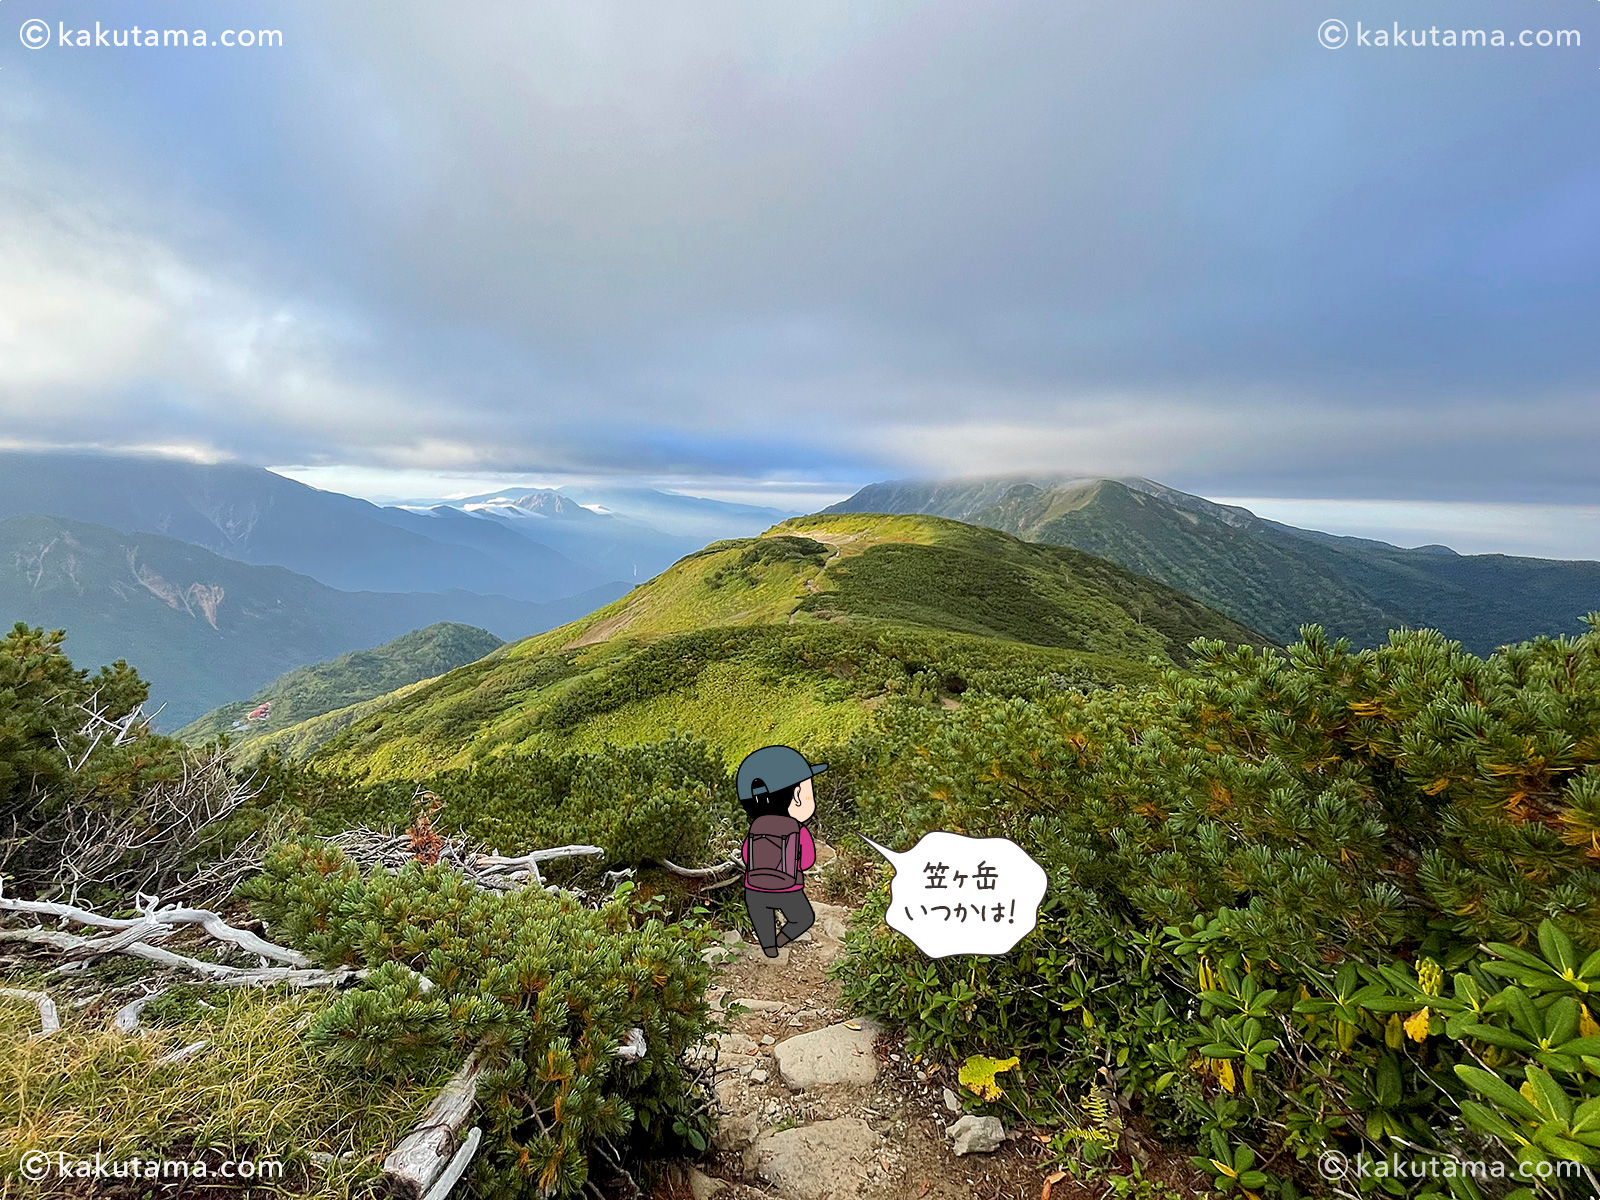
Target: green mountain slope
(205,630)
(1272,577)
(311,691)
(792,636)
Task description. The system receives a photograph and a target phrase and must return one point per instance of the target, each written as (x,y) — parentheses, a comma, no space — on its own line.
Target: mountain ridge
(1270,576)
(795,634)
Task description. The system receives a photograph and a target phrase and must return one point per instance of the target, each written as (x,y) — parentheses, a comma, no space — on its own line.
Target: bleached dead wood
(458,1165)
(423,1155)
(127,1018)
(715,872)
(535,856)
(178,1056)
(49,1016)
(634,1048)
(489,870)
(217,973)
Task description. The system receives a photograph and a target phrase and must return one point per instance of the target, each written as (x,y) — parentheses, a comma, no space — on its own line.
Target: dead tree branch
(49,1016)
(425,1153)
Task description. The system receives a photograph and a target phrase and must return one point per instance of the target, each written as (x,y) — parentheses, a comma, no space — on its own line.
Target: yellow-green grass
(256,1091)
(780,637)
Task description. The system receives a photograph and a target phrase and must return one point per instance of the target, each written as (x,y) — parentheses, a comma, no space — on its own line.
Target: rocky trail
(819,1104)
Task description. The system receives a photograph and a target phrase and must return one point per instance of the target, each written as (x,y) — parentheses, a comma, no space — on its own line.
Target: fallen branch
(703,872)
(49,1016)
(425,1154)
(217,973)
(458,1165)
(178,1056)
(535,856)
(127,1018)
(211,922)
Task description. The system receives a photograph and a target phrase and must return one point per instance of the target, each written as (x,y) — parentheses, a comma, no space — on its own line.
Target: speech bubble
(954,894)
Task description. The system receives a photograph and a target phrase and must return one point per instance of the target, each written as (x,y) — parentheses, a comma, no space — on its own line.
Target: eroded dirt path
(820,1105)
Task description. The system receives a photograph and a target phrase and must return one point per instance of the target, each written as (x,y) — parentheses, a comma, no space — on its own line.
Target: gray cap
(774,768)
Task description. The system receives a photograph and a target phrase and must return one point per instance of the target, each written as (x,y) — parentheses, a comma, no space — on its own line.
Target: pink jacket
(808,859)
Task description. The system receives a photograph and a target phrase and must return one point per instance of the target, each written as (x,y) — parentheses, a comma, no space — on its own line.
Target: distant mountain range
(310,691)
(626,533)
(214,579)
(1270,576)
(255,516)
(525,543)
(204,629)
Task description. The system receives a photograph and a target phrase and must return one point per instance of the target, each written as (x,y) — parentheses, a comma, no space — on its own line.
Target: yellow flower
(1430,975)
(1417,1025)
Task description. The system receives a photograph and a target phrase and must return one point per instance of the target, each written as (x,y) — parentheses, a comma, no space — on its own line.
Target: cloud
(813,245)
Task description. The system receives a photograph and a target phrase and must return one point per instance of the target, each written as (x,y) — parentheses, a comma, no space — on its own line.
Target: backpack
(774,857)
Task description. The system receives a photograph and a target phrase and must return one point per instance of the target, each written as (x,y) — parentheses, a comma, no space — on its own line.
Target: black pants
(764,908)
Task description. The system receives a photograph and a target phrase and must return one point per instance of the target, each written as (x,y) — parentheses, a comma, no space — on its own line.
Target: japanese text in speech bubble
(960,895)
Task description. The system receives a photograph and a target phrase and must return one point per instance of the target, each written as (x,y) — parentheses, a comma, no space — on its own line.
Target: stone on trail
(825,1161)
(836,1054)
(759,1006)
(703,1186)
(977,1135)
(952,1101)
(735,1132)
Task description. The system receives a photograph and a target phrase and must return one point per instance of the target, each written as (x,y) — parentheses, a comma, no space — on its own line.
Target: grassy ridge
(794,636)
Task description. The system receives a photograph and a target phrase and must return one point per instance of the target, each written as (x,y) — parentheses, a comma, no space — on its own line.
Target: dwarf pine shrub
(1283,894)
(543,987)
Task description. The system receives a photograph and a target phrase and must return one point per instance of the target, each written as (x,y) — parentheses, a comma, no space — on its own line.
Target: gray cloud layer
(828,241)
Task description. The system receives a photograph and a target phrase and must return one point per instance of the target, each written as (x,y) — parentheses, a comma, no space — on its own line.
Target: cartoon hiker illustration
(775,790)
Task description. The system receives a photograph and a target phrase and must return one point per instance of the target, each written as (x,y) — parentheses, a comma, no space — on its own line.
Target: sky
(775,252)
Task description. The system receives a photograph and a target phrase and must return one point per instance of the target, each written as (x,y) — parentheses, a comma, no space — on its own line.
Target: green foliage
(63,758)
(738,687)
(542,988)
(670,799)
(311,691)
(44,707)
(766,550)
(1243,866)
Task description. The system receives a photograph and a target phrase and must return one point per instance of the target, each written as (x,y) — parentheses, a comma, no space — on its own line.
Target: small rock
(760,1006)
(758,1076)
(977,1135)
(767,1039)
(735,1132)
(815,1162)
(732,937)
(702,1186)
(952,1101)
(836,1054)
(757,955)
